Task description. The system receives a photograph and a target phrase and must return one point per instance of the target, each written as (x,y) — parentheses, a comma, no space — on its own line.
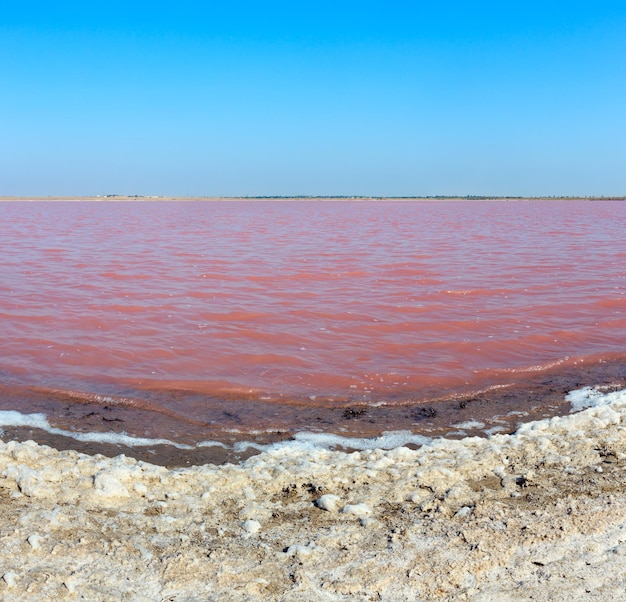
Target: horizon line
(469,197)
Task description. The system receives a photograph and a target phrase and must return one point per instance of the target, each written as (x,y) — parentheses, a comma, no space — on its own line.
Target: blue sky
(286,98)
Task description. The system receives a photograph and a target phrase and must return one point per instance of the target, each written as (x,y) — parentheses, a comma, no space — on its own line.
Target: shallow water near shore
(110,430)
(188,323)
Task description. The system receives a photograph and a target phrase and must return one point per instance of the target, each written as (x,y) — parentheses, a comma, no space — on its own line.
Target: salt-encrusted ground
(538,515)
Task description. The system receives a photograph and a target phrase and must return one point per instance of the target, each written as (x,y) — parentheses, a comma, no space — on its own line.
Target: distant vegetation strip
(469,197)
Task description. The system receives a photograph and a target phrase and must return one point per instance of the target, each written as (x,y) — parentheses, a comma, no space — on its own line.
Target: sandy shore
(539,515)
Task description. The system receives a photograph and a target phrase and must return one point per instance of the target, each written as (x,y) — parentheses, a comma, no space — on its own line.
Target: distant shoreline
(120,197)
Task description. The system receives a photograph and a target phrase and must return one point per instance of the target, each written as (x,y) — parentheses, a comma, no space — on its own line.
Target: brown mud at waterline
(230,419)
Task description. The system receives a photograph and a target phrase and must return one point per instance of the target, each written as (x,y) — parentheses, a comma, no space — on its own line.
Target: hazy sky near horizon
(286,98)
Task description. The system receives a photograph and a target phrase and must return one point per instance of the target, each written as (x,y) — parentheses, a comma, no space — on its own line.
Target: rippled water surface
(191,309)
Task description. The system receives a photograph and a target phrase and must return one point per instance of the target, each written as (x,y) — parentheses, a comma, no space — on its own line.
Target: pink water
(191,309)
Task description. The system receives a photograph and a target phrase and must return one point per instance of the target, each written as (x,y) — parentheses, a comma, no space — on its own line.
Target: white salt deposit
(328,441)
(39,421)
(588,397)
(303,440)
(470,424)
(539,514)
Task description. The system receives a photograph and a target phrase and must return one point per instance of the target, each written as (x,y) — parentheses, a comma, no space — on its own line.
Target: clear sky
(321,98)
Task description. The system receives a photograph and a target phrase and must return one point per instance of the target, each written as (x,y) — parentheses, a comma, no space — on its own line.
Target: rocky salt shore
(539,515)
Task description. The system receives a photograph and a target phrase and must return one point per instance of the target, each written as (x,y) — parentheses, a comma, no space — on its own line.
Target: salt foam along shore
(539,514)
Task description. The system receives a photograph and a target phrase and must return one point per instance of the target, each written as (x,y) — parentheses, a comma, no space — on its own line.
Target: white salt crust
(539,514)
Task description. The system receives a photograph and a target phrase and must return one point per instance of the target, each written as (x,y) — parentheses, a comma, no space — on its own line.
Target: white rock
(108,486)
(463,511)
(34,541)
(71,583)
(300,550)
(10,578)
(356,509)
(417,497)
(30,483)
(252,526)
(328,502)
(248,511)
